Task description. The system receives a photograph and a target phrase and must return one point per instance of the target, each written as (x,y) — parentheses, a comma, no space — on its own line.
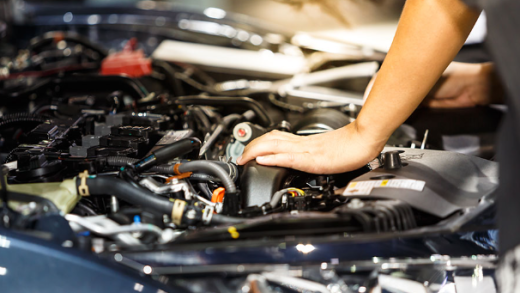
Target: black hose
(221,219)
(20,118)
(164,169)
(106,185)
(173,83)
(212,169)
(125,161)
(205,177)
(242,102)
(168,169)
(204,120)
(224,125)
(204,188)
(166,153)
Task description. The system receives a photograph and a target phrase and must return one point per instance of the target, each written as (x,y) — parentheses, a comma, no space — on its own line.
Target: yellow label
(384,183)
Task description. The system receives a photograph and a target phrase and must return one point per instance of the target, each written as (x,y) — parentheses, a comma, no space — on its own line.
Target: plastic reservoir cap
(137,219)
(241,132)
(128,62)
(218,195)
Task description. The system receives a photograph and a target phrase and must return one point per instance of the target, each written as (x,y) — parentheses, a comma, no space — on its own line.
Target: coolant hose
(121,189)
(212,169)
(101,185)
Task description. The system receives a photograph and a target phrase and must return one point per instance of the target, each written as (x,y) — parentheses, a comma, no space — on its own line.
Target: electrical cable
(278,195)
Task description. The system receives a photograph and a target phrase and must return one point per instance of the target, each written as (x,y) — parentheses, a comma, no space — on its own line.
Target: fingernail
(261,159)
(239,160)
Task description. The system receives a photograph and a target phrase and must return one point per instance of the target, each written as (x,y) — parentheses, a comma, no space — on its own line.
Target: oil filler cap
(392,160)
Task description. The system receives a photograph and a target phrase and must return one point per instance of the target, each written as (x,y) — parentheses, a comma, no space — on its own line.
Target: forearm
(429,35)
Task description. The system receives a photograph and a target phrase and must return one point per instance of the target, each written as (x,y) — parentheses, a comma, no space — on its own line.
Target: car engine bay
(123,149)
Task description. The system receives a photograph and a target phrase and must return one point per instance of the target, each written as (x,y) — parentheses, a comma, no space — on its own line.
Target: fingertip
(239,160)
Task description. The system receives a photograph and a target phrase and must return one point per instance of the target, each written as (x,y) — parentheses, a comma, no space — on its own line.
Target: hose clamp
(178,211)
(207,215)
(83,187)
(176,169)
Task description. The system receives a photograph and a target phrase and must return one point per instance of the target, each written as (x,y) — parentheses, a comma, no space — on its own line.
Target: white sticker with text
(365,187)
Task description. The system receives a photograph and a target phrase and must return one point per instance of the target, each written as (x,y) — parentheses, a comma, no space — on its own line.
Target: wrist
(373,140)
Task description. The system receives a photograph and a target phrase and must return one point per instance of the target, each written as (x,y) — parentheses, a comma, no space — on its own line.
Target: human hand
(337,151)
(465,85)
(462,85)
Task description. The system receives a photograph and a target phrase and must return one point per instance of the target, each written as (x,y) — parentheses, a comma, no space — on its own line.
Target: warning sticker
(365,187)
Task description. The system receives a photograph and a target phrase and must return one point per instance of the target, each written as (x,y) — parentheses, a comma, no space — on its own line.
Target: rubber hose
(243,102)
(7,121)
(124,161)
(212,169)
(204,188)
(224,125)
(204,120)
(173,83)
(221,219)
(105,185)
(168,169)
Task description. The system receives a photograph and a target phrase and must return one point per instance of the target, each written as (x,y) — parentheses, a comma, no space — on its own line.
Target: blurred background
(369,23)
(308,17)
(229,45)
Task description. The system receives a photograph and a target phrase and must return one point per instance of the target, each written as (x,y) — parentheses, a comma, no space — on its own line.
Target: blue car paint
(30,264)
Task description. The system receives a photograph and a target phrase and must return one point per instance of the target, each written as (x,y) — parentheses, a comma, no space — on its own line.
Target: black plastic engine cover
(452,181)
(258,183)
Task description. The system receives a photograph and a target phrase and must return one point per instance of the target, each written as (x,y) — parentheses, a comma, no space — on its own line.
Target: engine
(140,152)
